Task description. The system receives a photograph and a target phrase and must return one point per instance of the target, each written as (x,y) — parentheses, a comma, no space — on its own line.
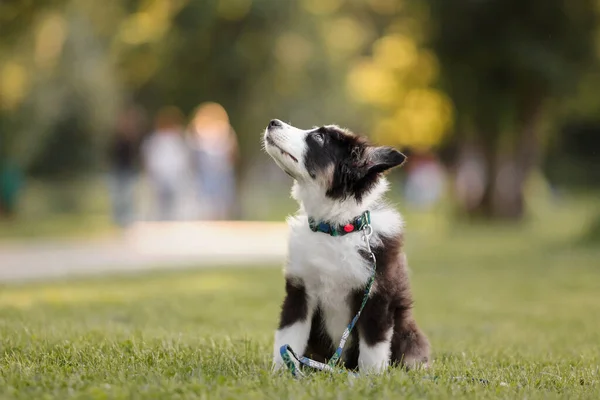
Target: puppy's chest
(331,267)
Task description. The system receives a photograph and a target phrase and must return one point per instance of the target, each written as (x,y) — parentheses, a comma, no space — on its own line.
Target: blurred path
(148,246)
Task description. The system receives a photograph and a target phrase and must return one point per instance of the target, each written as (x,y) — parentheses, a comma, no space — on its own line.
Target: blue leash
(286,351)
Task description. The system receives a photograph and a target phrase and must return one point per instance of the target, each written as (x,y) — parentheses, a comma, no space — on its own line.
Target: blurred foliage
(504,62)
(68,65)
(411,73)
(511,67)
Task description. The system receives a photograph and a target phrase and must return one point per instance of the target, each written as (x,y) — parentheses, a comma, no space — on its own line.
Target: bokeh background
(116,113)
(130,138)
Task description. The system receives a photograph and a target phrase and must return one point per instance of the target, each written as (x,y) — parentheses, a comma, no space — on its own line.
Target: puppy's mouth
(272,143)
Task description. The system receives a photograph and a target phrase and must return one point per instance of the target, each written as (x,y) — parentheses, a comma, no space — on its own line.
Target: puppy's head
(334,159)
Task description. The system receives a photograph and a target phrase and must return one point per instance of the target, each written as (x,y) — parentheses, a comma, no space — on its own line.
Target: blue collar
(340,230)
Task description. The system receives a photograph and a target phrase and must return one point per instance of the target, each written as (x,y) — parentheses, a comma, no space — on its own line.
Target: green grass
(58,226)
(71,209)
(517,306)
(82,209)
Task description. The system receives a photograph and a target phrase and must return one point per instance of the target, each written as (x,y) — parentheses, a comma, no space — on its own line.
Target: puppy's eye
(319,137)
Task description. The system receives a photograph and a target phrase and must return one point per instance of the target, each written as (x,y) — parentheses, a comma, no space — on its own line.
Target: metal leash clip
(367,233)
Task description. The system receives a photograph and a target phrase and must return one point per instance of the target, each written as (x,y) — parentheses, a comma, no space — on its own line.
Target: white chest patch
(331,267)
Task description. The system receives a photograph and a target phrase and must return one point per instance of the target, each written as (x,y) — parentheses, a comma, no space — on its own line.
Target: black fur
(352,167)
(320,346)
(356,164)
(390,306)
(295,305)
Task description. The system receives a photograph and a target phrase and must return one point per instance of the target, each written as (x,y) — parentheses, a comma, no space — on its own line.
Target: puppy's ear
(374,161)
(380,159)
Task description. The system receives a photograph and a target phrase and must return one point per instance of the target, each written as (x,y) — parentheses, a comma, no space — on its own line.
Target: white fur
(295,335)
(330,267)
(375,359)
(293,141)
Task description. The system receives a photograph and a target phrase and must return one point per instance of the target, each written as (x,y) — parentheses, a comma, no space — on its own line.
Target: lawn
(512,312)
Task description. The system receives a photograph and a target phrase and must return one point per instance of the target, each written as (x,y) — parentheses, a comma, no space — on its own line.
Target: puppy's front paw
(416,363)
(278,364)
(377,368)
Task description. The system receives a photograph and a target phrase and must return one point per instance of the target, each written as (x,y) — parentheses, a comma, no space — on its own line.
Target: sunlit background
(130,139)
(508,86)
(117,114)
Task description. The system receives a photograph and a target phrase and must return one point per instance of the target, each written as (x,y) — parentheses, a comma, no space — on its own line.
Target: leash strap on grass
(287,353)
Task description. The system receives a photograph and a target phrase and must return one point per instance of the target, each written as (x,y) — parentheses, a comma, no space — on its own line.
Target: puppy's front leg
(375,331)
(295,321)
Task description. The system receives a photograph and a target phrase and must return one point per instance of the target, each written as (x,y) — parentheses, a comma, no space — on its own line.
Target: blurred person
(124,159)
(166,160)
(215,148)
(471,177)
(425,181)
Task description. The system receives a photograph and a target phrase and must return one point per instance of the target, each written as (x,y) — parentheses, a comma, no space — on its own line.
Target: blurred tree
(66,66)
(57,93)
(573,156)
(507,64)
(397,78)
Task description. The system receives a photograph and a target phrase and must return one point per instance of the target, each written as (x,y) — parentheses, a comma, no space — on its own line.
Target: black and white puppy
(338,176)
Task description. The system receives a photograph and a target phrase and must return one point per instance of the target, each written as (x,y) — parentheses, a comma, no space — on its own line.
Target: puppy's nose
(275,123)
